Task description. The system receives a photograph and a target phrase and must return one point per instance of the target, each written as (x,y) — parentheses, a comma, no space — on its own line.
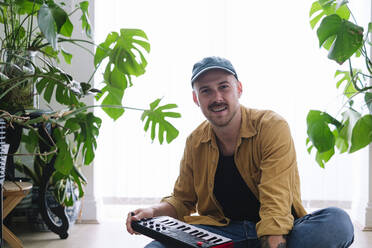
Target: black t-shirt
(237,200)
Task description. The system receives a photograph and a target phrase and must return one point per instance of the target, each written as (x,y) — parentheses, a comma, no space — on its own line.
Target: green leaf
(85,128)
(325,8)
(349,89)
(50,52)
(310,148)
(156,117)
(125,59)
(318,130)
(349,37)
(30,140)
(103,50)
(323,157)
(327,4)
(316,19)
(349,118)
(65,92)
(315,7)
(49,91)
(60,17)
(76,175)
(116,85)
(343,11)
(341,143)
(26,6)
(64,160)
(85,22)
(67,56)
(67,28)
(47,25)
(368,100)
(370,27)
(362,133)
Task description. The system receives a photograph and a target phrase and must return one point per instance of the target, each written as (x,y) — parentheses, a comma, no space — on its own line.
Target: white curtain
(277,59)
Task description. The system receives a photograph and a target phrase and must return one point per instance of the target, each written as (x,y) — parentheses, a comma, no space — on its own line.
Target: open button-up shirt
(266,159)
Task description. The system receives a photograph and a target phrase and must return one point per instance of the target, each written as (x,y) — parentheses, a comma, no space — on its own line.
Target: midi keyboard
(177,234)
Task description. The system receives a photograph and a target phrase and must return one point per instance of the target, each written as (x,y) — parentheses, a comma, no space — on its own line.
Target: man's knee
(155,244)
(339,220)
(328,228)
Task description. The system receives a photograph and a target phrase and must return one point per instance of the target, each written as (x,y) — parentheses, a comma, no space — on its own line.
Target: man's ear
(240,88)
(195,98)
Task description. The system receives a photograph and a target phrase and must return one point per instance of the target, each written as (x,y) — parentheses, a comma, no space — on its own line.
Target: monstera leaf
(321,8)
(85,127)
(85,23)
(349,89)
(156,117)
(318,130)
(125,59)
(362,133)
(56,82)
(64,161)
(348,37)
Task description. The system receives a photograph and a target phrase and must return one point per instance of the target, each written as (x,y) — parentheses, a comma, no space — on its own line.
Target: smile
(218,107)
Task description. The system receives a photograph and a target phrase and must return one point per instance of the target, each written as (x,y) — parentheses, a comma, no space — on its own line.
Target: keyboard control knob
(199,243)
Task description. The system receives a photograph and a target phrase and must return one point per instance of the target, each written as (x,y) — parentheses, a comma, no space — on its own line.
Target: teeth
(219,109)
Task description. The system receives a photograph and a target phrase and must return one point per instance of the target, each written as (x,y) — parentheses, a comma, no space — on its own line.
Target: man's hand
(274,241)
(137,215)
(162,208)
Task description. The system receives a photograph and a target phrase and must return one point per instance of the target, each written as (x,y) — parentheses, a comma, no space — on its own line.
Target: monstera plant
(348,43)
(41,28)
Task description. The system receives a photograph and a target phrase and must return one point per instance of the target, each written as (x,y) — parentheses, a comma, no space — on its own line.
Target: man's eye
(205,91)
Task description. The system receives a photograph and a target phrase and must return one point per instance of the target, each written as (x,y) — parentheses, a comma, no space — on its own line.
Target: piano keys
(4,147)
(177,234)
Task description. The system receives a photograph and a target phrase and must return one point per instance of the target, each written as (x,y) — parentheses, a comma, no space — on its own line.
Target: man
(239,174)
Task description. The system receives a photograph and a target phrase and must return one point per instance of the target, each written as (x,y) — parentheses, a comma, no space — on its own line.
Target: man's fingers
(129,222)
(132,216)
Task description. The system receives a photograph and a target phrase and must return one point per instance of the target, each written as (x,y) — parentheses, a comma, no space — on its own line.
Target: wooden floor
(111,232)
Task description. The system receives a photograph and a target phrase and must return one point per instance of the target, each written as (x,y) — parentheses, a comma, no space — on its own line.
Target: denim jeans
(325,228)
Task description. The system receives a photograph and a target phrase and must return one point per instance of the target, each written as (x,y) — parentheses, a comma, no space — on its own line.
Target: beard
(221,121)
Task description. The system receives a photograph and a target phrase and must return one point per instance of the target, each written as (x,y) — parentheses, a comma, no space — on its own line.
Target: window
(276,56)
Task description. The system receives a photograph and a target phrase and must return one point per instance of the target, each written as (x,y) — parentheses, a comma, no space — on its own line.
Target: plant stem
(98,106)
(12,23)
(73,41)
(32,19)
(72,12)
(94,72)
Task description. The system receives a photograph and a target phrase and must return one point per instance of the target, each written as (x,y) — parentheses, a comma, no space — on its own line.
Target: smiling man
(239,174)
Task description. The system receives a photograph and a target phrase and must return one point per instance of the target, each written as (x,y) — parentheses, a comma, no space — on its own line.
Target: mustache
(217,104)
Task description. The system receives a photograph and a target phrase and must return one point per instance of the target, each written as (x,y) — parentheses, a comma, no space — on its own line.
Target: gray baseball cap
(209,63)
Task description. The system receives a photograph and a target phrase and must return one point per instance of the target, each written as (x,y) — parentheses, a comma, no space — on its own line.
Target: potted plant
(345,41)
(35,32)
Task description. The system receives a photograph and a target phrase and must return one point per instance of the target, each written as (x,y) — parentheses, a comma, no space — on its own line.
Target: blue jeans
(325,228)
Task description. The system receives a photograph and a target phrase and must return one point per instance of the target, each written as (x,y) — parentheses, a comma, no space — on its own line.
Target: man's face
(217,94)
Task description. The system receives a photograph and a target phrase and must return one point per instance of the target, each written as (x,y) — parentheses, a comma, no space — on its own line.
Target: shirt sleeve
(183,198)
(278,166)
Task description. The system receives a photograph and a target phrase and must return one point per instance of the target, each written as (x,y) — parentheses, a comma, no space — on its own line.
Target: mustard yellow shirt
(266,159)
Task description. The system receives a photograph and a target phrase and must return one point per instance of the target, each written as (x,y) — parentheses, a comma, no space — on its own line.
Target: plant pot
(18,64)
(30,205)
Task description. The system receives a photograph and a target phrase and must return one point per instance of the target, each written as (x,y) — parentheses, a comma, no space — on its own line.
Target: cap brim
(209,68)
